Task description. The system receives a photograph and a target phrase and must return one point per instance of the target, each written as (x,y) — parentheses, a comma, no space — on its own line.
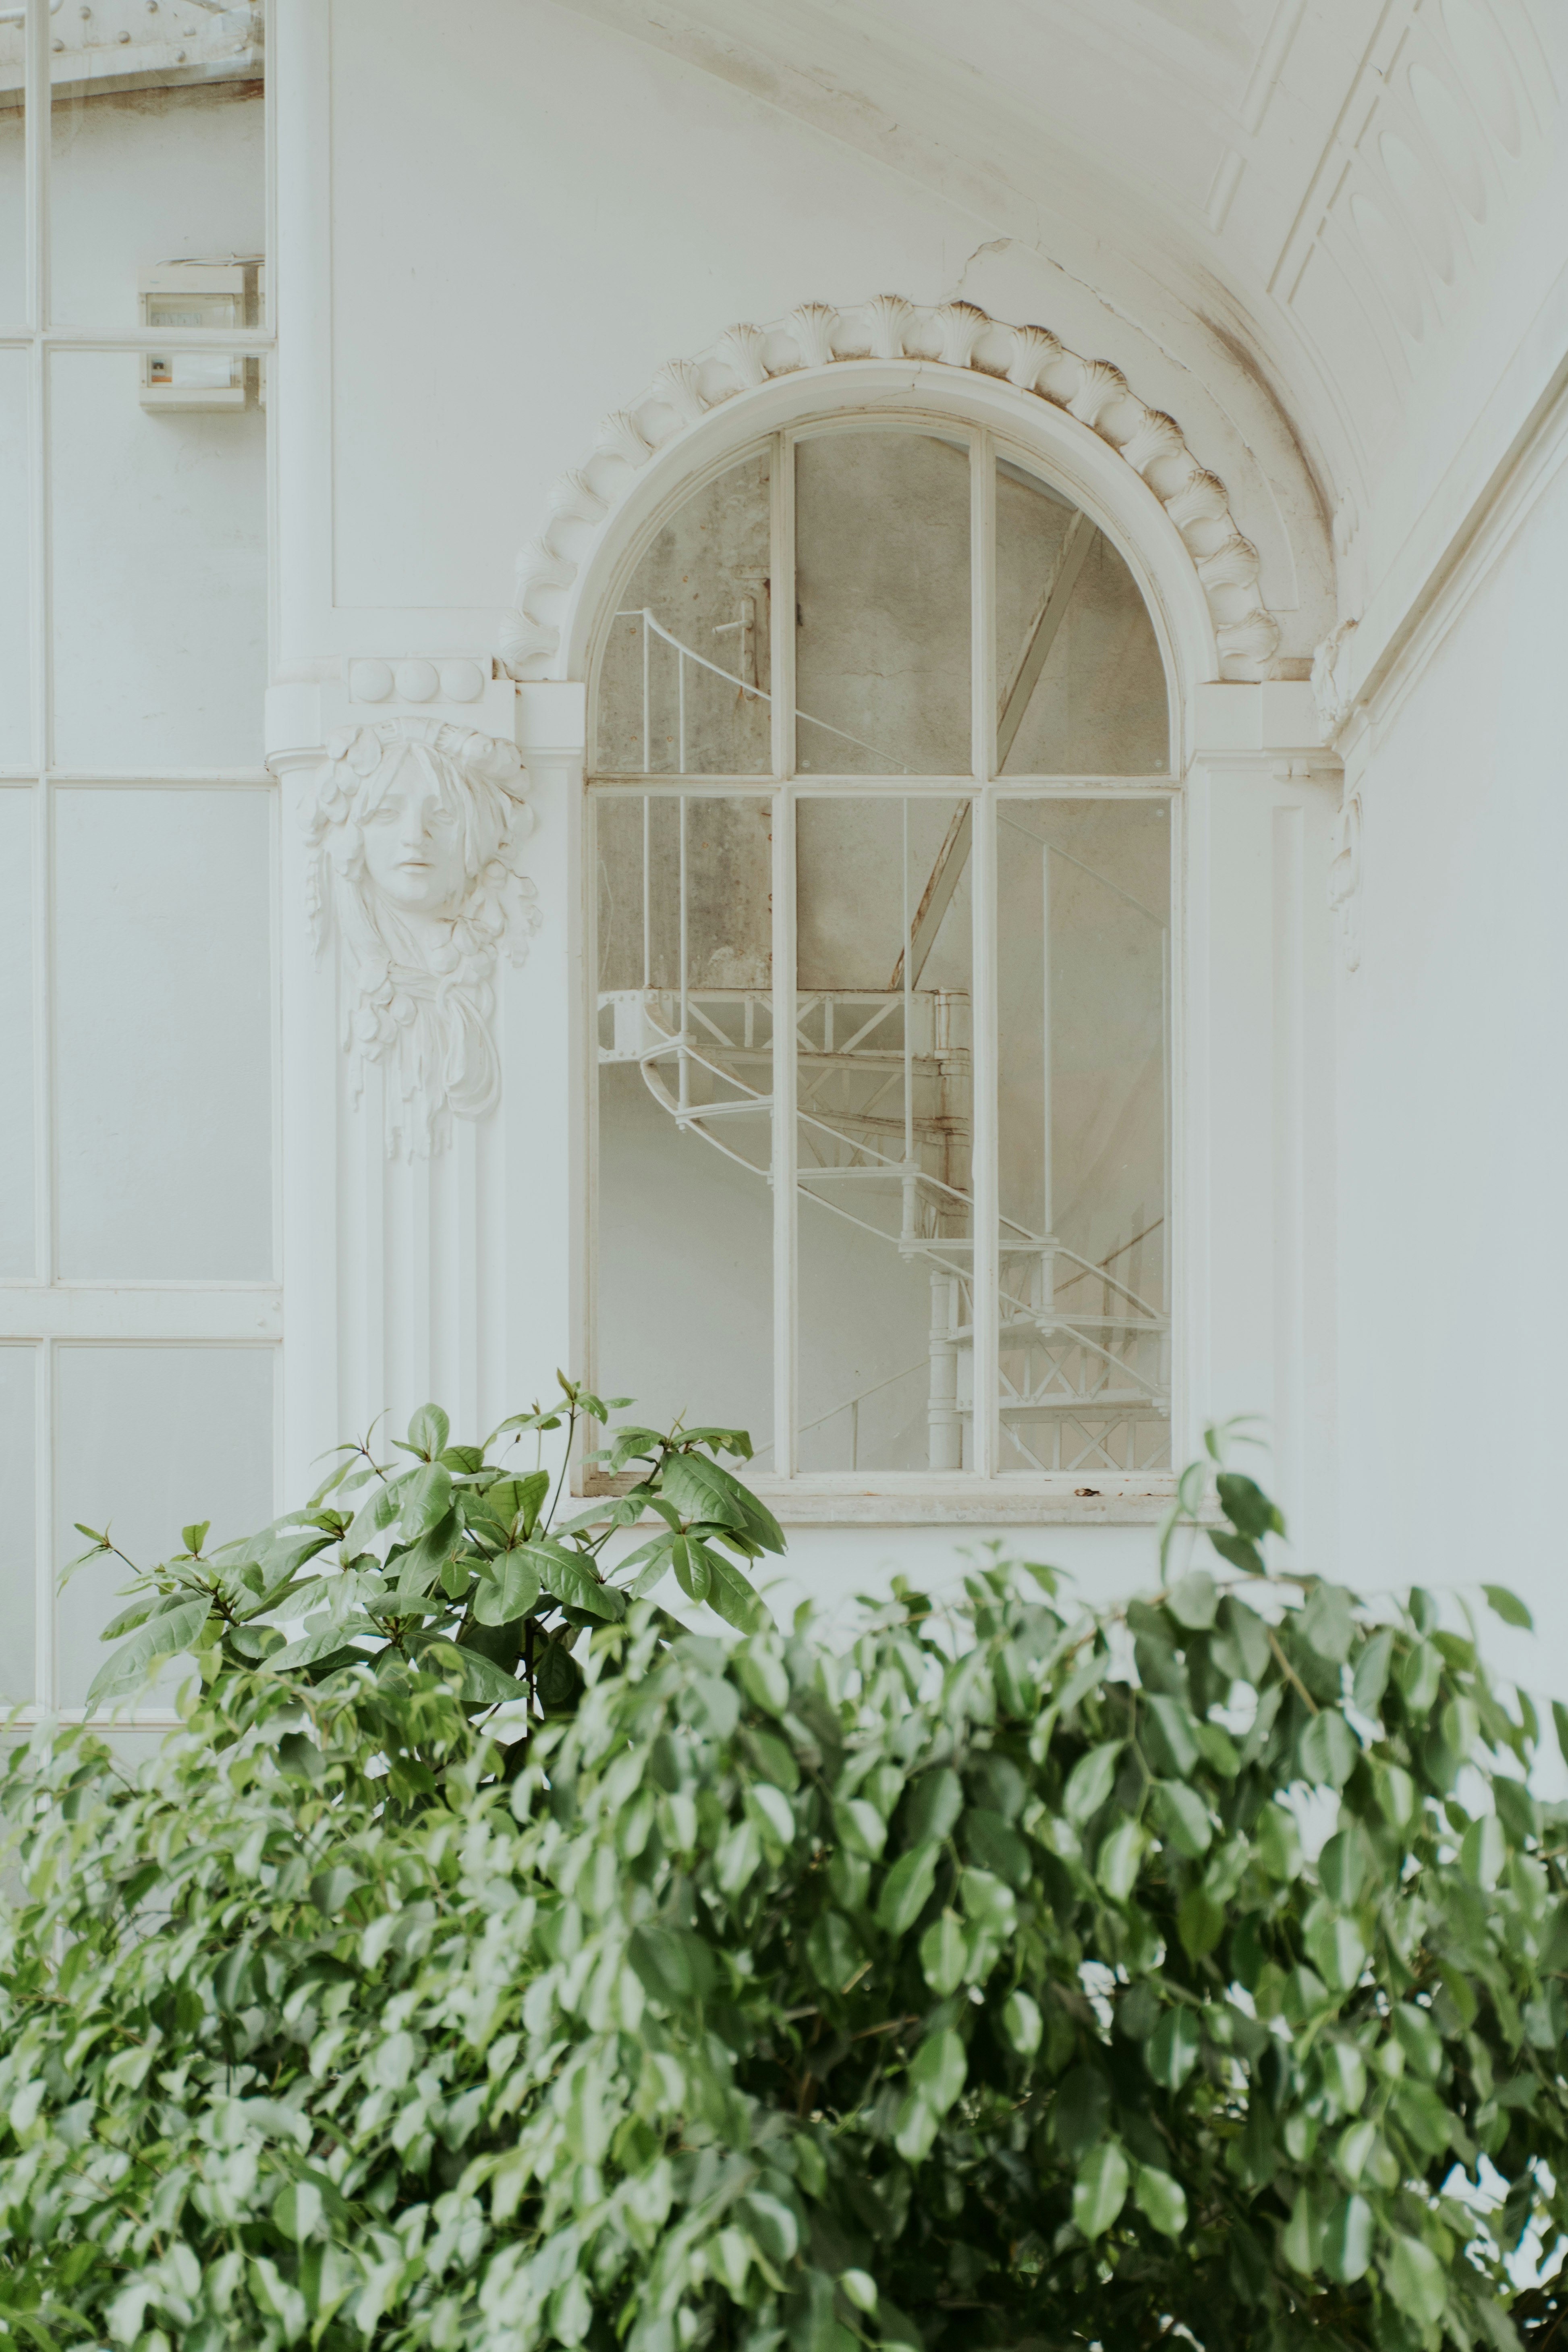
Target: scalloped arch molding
(951,334)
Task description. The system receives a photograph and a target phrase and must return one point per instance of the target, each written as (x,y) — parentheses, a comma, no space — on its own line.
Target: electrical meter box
(201,294)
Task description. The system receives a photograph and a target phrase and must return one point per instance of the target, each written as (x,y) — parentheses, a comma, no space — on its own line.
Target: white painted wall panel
(18,1239)
(162,967)
(18,1381)
(149,1439)
(13,274)
(1454,1116)
(160,575)
(155,175)
(15,617)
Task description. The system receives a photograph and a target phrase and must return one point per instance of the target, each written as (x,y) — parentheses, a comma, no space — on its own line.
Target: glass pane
(17,1238)
(685,1012)
(153,1438)
(159,567)
(158,157)
(684,688)
(162,983)
(884,1099)
(882,606)
(12,178)
(1083,899)
(1080,689)
(15,598)
(18,1565)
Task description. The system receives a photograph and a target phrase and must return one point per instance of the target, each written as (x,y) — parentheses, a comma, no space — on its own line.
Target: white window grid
(46,1312)
(987,792)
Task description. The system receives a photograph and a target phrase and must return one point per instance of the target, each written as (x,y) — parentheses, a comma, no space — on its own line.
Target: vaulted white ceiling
(1345,195)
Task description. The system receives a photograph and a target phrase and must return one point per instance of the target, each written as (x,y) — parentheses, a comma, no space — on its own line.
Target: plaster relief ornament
(417,825)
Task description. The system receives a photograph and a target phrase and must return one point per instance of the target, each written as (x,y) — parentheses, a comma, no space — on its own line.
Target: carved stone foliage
(417,825)
(951,334)
(1330,688)
(1344,879)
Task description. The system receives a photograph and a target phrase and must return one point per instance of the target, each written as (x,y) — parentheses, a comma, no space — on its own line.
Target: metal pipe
(685,1058)
(19,15)
(648,890)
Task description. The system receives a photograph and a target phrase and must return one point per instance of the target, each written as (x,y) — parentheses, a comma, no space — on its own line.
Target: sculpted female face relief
(418,823)
(414,839)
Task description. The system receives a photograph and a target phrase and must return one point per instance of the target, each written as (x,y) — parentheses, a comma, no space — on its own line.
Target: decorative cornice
(953,334)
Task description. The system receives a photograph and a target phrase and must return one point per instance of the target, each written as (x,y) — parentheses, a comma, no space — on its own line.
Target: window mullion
(983,604)
(983,1057)
(786,1283)
(982,865)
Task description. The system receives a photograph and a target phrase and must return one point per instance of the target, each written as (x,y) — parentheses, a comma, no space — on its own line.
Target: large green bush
(984,1984)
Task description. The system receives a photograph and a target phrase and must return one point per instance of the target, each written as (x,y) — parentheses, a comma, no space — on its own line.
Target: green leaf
(945,1949)
(938,2072)
(731,1595)
(1169,1735)
(1347,2241)
(860,1827)
(1161,2200)
(1483,1851)
(702,1490)
(1242,1649)
(1328,1749)
(1246,1507)
(1341,1869)
(569,1579)
(1509,1607)
(1560,1720)
(933,1805)
(992,1845)
(1370,1679)
(1183,1817)
(507,1592)
(165,1636)
(428,1431)
(906,1889)
(1100,2189)
(327,1642)
(1172,2050)
(1417,2281)
(1022,2024)
(194,1536)
(1089,1781)
(1328,1624)
(1193,1601)
(424,1499)
(1419,1676)
(1120,1854)
(1200,1922)
(484,1683)
(1239,1552)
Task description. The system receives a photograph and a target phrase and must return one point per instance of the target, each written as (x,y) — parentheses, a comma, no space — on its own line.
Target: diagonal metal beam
(937,896)
(1042,636)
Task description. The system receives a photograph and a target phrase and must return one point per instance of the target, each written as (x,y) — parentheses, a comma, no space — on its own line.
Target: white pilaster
(1255,1141)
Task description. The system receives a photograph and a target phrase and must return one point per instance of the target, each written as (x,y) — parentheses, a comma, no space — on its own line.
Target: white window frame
(985,1491)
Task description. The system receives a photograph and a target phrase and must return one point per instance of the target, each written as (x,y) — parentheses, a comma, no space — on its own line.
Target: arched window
(881,828)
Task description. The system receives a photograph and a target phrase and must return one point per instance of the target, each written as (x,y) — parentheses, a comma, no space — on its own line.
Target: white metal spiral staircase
(883,1134)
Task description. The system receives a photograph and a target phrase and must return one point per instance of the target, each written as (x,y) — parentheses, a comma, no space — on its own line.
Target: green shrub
(977,1985)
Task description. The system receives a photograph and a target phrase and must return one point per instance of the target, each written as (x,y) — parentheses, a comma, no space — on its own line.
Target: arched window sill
(1075,1498)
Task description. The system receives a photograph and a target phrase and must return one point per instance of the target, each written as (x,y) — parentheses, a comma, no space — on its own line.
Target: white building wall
(1454,1247)
(496,222)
